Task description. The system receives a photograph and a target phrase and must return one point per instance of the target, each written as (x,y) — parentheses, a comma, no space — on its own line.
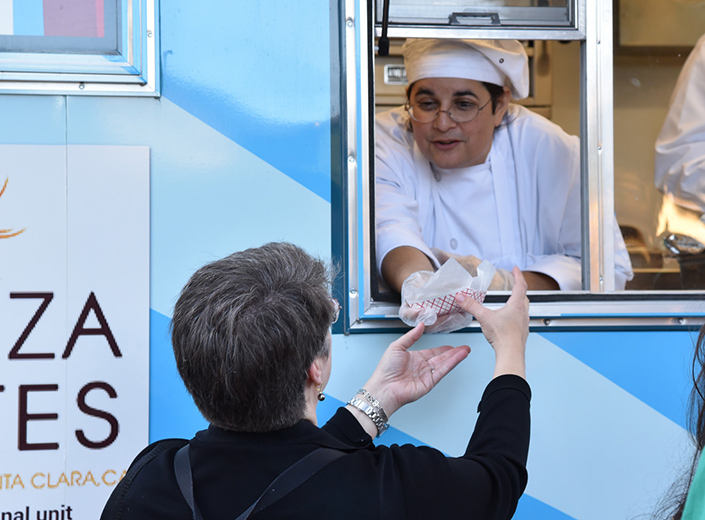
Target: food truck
(141,139)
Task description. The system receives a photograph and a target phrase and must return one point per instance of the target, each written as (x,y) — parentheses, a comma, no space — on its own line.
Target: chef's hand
(412,316)
(502,280)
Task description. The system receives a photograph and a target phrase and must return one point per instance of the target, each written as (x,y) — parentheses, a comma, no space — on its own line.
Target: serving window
(583,83)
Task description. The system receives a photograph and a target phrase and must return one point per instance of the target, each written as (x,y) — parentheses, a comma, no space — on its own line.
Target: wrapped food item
(430,297)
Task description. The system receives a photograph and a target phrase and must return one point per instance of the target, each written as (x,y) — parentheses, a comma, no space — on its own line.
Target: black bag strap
(293,477)
(290,479)
(114,506)
(182,467)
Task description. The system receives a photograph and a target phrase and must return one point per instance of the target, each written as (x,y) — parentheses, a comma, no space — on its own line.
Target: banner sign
(74,325)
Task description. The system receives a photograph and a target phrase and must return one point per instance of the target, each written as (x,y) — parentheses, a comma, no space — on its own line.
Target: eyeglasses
(337,310)
(460,111)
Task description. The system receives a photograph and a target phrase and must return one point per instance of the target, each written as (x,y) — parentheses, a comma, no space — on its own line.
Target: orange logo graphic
(8,233)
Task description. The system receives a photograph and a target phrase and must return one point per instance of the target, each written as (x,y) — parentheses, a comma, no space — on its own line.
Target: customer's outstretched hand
(403,376)
(506,329)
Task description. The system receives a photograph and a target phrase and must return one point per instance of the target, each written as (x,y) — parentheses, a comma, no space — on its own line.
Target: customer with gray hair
(252,343)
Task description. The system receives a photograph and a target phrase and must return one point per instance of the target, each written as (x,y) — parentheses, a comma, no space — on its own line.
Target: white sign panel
(74,325)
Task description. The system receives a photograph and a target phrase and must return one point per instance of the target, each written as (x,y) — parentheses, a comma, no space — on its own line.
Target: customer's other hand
(506,329)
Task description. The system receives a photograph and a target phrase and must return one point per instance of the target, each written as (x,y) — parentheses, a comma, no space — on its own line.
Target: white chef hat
(502,62)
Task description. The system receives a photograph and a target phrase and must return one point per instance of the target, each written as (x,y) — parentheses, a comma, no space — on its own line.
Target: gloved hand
(414,315)
(502,280)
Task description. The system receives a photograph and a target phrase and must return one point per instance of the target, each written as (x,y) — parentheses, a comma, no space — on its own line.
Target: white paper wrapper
(438,292)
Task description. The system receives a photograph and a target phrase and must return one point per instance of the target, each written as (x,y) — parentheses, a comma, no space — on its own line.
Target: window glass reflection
(659,118)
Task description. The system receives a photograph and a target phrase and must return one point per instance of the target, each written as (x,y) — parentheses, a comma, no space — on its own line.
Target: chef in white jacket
(680,147)
(461,172)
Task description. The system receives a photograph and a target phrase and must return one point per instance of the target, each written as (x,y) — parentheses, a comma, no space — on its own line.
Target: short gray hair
(246,329)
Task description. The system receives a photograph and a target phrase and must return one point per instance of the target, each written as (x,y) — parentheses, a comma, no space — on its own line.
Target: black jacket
(231,470)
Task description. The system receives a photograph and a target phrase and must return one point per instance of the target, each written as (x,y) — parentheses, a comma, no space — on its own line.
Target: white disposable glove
(412,316)
(502,280)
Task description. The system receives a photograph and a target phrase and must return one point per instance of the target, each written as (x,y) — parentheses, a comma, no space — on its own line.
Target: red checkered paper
(446,304)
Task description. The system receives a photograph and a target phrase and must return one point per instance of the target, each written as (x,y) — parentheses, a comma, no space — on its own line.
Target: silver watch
(370,412)
(374,402)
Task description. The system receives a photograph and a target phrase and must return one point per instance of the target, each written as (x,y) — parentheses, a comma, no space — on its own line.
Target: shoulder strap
(293,477)
(182,467)
(290,479)
(114,505)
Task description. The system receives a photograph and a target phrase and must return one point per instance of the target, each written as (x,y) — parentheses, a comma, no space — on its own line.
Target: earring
(321,395)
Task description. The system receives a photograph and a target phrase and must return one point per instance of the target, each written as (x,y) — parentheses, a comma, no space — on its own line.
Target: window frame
(421,25)
(598,305)
(132,72)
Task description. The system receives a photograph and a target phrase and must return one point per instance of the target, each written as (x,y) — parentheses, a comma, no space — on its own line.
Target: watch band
(372,413)
(374,402)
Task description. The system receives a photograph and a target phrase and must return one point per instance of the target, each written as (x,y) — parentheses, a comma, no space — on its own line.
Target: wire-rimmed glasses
(460,111)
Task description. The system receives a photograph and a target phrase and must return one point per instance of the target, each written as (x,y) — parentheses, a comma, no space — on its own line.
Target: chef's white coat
(522,207)
(680,147)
